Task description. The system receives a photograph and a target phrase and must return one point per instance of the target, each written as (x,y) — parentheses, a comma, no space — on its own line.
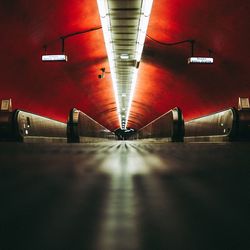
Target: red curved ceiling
(165,79)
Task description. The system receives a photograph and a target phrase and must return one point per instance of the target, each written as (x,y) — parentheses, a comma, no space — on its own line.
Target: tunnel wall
(28,127)
(81,128)
(170,126)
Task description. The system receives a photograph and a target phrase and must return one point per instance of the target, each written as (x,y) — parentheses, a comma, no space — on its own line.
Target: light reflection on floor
(124,195)
(120,212)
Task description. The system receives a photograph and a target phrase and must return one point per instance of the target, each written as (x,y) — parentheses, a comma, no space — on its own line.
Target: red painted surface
(165,80)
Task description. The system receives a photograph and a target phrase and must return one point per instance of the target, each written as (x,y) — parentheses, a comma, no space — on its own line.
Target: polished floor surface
(123,195)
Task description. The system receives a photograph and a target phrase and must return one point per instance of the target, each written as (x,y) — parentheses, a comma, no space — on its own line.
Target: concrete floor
(125,195)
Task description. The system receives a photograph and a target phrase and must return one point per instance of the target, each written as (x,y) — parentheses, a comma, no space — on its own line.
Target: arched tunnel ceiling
(165,80)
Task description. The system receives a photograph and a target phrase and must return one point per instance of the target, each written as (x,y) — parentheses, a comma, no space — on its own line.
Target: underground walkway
(125,195)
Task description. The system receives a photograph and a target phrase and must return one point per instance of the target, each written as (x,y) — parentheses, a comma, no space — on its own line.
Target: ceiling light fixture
(203,60)
(200,60)
(63,57)
(54,58)
(110,43)
(124,56)
(192,58)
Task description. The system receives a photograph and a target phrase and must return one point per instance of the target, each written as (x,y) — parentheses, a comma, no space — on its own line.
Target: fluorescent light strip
(103,10)
(143,24)
(200,60)
(131,95)
(146,7)
(53,58)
